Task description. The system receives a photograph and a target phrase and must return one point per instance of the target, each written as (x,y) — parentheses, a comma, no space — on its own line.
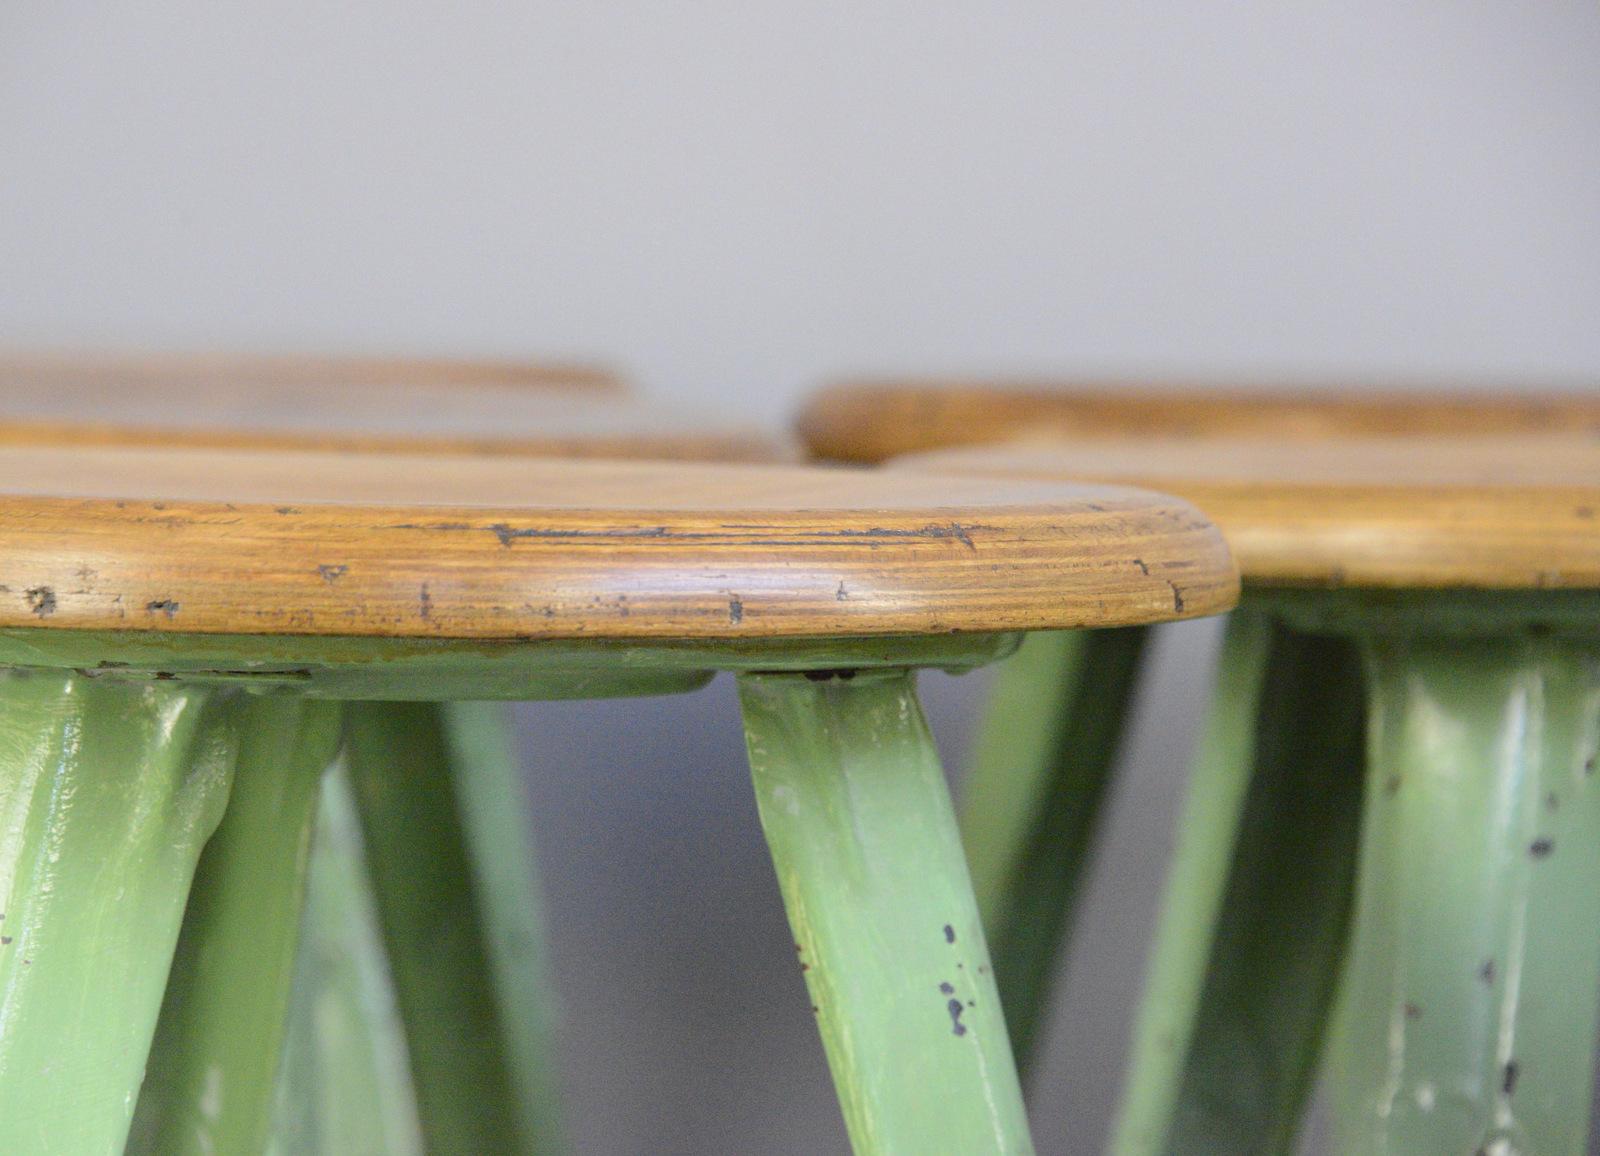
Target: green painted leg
(1467,1022)
(108,791)
(1039,771)
(1247,953)
(862,834)
(444,823)
(213,1065)
(345,1087)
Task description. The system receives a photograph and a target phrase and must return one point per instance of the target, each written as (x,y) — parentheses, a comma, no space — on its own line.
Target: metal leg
(1039,770)
(108,791)
(213,1064)
(440,798)
(859,823)
(1468,1017)
(1247,953)
(345,1085)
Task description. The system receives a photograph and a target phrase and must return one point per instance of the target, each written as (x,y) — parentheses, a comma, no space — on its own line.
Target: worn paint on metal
(107,794)
(1044,755)
(1469,1013)
(858,819)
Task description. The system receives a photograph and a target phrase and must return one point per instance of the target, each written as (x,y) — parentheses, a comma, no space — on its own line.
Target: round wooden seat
(874,421)
(219,541)
(355,404)
(1486,513)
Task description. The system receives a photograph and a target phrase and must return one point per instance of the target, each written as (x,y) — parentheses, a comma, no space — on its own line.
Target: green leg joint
(441,804)
(858,818)
(1468,1017)
(1247,953)
(1039,772)
(345,1087)
(213,1065)
(108,792)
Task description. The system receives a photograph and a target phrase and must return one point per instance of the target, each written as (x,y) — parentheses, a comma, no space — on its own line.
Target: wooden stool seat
(877,420)
(1484,513)
(366,405)
(224,541)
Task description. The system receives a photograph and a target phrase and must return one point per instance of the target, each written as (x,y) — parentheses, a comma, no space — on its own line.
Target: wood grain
(1474,513)
(459,547)
(873,421)
(368,405)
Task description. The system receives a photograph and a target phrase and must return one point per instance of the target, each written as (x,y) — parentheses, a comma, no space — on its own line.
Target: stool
(872,421)
(1443,596)
(185,627)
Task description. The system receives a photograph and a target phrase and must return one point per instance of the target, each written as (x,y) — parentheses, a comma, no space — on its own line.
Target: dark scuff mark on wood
(424,603)
(163,606)
(331,574)
(41,600)
(735,610)
(1143,569)
(1177,596)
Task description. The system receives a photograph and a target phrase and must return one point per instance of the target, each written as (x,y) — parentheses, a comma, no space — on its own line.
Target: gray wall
(735,199)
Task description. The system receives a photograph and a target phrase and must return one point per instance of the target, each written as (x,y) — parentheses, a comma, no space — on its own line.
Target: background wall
(735,198)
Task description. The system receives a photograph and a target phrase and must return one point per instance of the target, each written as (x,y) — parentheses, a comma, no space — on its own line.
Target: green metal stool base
(213,1064)
(108,792)
(345,1087)
(1468,1019)
(1044,755)
(864,840)
(117,756)
(1247,951)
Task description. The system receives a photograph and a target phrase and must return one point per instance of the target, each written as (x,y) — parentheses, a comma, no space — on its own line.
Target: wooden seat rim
(211,541)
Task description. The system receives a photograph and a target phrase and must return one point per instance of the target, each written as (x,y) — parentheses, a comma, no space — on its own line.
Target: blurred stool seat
(874,420)
(1427,609)
(355,405)
(188,633)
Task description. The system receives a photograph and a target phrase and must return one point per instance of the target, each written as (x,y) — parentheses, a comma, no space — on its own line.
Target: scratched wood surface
(497,547)
(872,421)
(355,404)
(1491,513)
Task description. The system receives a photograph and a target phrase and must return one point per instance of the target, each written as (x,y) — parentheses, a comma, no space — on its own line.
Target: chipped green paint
(858,819)
(1044,755)
(345,1084)
(1468,1017)
(213,1064)
(107,794)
